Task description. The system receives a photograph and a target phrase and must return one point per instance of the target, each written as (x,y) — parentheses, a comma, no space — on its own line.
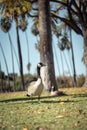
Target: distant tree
(23,23)
(20,53)
(63,44)
(73,61)
(4,57)
(5,26)
(15,10)
(28,66)
(76,12)
(1,78)
(12,60)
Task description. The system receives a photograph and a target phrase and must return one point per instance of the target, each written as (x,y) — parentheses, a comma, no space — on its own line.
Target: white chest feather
(43,74)
(38,82)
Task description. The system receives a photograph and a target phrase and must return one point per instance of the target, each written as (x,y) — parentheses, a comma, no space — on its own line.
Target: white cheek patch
(39,65)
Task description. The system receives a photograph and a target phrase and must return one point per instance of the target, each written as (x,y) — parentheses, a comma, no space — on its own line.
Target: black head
(39,65)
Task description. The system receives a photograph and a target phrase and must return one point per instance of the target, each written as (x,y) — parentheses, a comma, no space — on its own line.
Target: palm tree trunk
(27,50)
(20,60)
(12,60)
(1,78)
(62,64)
(16,57)
(73,61)
(46,53)
(67,64)
(55,53)
(6,65)
(2,83)
(85,54)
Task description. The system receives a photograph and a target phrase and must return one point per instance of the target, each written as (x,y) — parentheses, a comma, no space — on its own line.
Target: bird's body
(35,88)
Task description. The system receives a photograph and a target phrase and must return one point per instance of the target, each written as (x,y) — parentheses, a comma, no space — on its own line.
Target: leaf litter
(59,113)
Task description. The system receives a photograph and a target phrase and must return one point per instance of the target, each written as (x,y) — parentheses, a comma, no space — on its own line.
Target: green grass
(53,113)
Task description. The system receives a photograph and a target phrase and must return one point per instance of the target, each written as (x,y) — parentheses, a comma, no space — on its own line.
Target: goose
(35,88)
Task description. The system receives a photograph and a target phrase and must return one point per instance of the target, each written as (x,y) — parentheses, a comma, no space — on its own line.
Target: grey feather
(35,88)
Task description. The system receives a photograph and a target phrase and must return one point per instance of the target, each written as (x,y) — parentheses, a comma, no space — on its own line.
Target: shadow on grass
(79,95)
(35,99)
(29,98)
(53,101)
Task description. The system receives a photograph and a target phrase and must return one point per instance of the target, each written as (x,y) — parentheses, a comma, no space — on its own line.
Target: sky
(35,56)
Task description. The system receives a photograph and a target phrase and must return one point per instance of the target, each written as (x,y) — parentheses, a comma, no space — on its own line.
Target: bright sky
(34,55)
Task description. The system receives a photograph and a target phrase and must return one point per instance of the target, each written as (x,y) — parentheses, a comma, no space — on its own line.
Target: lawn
(68,112)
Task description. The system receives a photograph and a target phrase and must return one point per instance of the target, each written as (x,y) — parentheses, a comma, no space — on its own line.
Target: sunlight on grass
(53,113)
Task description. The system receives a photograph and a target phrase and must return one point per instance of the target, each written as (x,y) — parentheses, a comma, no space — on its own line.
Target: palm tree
(23,26)
(29,64)
(5,26)
(15,56)
(20,55)
(61,46)
(15,9)
(55,54)
(5,65)
(66,44)
(76,20)
(22,11)
(73,61)
(1,78)
(67,63)
(12,60)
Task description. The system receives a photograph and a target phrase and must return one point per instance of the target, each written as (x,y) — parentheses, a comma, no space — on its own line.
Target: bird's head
(39,65)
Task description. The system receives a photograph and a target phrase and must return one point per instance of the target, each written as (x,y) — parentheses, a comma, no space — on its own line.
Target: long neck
(38,72)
